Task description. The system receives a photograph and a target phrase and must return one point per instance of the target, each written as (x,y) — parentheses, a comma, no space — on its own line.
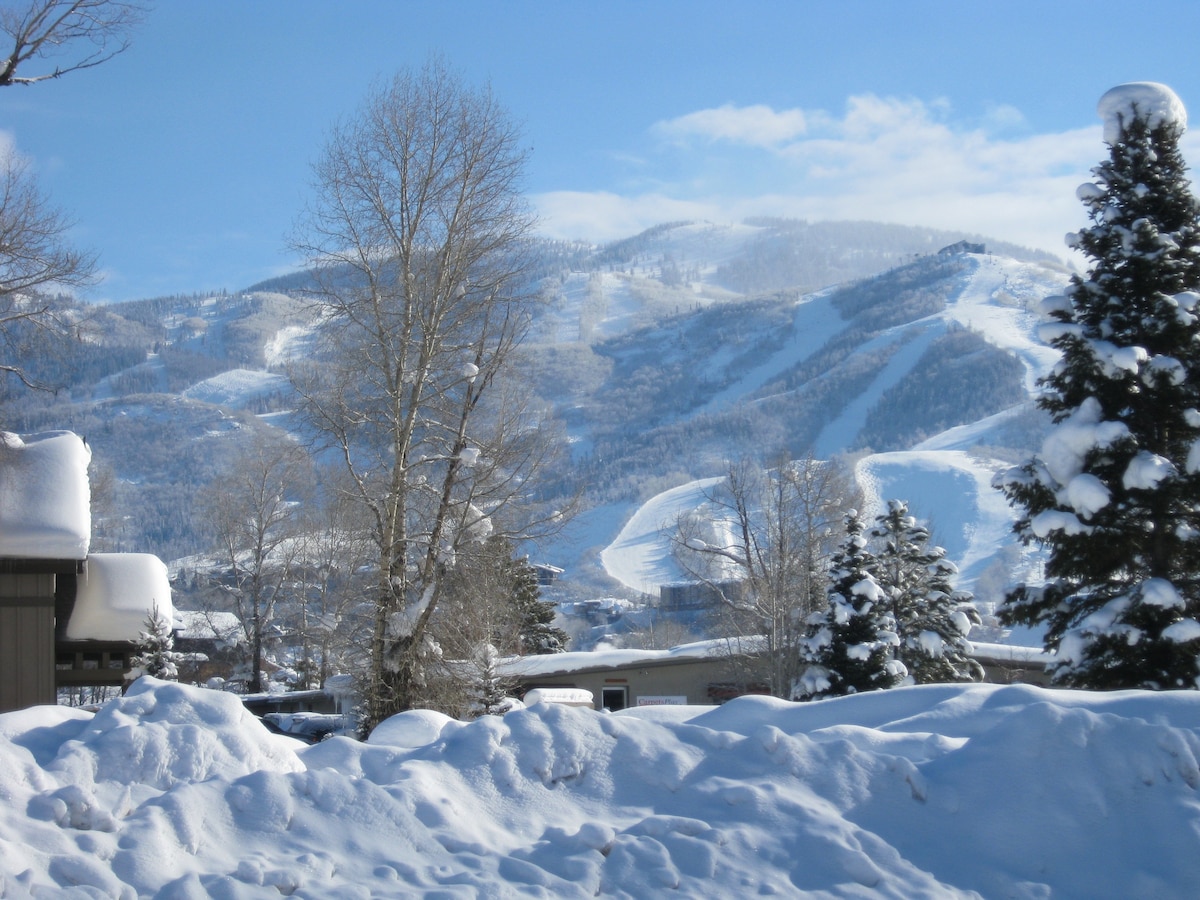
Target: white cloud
(885,158)
(755,126)
(8,145)
(605,216)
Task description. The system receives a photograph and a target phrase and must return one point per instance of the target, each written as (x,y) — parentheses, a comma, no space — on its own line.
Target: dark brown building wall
(26,640)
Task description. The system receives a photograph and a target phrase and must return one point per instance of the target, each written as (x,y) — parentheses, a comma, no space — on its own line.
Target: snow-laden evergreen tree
(156,655)
(849,646)
(1114,495)
(489,687)
(932,619)
(537,632)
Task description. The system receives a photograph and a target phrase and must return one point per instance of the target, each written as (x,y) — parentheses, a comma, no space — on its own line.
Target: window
(614,698)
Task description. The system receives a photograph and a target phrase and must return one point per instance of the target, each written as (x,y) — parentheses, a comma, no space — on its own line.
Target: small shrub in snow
(156,655)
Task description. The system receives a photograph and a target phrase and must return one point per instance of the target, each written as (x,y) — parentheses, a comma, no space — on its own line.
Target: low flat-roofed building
(704,673)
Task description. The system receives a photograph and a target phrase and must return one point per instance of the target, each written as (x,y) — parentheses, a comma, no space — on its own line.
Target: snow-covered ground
(816,321)
(999,302)
(237,387)
(938,791)
(951,490)
(287,344)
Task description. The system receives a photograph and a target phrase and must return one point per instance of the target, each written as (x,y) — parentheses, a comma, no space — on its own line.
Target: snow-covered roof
(45,501)
(116,594)
(579,661)
(1010,653)
(1155,103)
(566,696)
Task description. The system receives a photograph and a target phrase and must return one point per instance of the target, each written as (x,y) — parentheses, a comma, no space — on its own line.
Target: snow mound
(938,791)
(1155,103)
(414,728)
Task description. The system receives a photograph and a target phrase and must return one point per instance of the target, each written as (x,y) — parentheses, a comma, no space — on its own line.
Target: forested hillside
(662,355)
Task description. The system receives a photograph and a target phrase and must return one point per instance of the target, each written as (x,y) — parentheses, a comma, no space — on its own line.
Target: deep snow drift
(936,791)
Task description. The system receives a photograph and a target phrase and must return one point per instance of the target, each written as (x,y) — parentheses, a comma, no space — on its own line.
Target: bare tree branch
(85,33)
(35,260)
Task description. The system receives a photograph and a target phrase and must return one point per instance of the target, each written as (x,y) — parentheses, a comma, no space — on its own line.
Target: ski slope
(945,480)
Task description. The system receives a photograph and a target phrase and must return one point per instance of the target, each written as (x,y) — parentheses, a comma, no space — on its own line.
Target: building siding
(26,640)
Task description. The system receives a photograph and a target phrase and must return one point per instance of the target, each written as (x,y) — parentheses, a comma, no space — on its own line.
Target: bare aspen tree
(63,36)
(253,509)
(34,260)
(417,233)
(329,621)
(766,556)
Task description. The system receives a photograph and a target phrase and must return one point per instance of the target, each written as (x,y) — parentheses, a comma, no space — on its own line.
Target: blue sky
(185,161)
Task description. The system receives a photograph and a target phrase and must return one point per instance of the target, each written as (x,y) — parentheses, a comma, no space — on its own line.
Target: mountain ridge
(658,367)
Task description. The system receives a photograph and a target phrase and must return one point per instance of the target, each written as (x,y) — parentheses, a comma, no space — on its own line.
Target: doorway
(614,698)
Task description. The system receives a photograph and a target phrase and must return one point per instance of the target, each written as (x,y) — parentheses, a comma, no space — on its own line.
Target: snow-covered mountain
(666,355)
(922,374)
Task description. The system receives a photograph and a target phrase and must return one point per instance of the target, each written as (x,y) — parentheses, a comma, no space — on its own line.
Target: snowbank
(45,499)
(939,791)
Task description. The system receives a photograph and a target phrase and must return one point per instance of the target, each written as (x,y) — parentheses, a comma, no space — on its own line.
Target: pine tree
(1114,495)
(932,618)
(489,687)
(156,655)
(849,647)
(537,632)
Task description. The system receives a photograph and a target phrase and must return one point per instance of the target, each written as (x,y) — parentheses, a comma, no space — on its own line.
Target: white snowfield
(941,479)
(928,792)
(595,305)
(237,387)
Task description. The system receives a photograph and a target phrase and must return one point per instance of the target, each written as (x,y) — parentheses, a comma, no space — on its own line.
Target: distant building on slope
(691,596)
(962,247)
(67,618)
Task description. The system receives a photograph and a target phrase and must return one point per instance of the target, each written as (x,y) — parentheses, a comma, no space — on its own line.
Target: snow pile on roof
(1155,103)
(116,595)
(939,791)
(583,660)
(45,501)
(568,696)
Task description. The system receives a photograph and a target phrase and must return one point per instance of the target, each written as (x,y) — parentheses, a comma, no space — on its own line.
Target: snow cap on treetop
(1154,103)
